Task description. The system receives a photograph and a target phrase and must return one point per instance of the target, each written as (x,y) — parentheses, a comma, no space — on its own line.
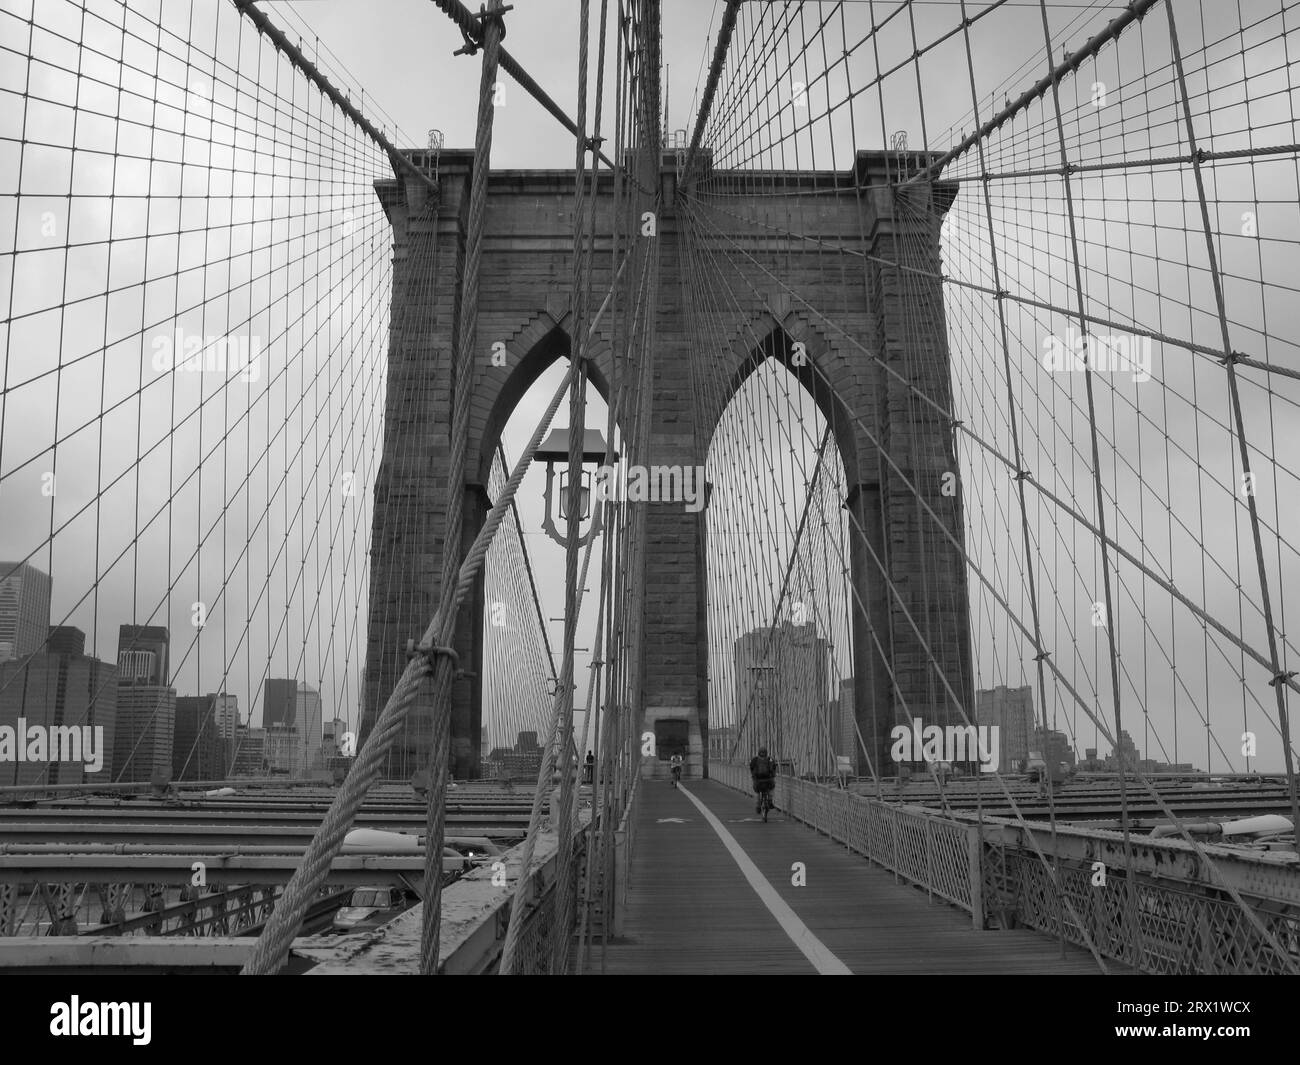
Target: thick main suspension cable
(295,54)
(725,30)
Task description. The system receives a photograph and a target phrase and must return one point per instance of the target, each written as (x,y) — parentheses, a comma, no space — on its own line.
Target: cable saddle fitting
(432,652)
(471,46)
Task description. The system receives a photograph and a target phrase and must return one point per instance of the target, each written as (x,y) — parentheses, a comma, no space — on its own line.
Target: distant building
(249,759)
(142,655)
(331,745)
(226,713)
(24,609)
(146,705)
(848,729)
(781,696)
(522,762)
(65,640)
(284,751)
(61,688)
(1153,765)
(146,728)
(1090,762)
(198,751)
(288,704)
(722,738)
(1011,710)
(307,716)
(1125,756)
(1054,746)
(279,701)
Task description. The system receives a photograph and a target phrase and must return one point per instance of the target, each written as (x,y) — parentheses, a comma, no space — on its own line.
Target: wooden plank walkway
(691,909)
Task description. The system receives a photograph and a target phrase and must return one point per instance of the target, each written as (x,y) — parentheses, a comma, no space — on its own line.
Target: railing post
(867,825)
(929,853)
(893,839)
(614,919)
(975,868)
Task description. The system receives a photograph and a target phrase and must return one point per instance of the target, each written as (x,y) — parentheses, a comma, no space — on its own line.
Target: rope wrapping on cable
(273,945)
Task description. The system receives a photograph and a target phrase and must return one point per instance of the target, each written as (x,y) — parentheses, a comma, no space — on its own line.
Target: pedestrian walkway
(713,889)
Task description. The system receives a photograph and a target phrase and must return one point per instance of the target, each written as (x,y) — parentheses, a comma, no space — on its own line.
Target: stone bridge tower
(895,449)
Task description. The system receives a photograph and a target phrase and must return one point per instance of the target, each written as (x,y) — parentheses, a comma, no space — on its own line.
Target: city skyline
(151,730)
(144,642)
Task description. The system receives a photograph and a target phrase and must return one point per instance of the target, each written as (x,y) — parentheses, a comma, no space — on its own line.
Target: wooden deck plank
(690,910)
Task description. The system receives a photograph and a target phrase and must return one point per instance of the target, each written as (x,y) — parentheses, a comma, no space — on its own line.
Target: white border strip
(826,963)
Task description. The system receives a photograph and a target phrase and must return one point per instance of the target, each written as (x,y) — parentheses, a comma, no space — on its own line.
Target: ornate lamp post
(555,452)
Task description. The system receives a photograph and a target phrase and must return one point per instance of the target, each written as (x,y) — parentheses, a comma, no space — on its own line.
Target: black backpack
(762,766)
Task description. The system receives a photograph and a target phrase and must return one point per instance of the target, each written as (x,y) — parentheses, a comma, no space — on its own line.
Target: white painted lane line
(826,963)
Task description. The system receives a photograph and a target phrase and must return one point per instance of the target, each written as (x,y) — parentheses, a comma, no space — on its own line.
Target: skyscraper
(24,609)
(249,759)
(142,654)
(284,750)
(146,726)
(291,715)
(284,744)
(307,716)
(146,705)
(782,696)
(1012,711)
(848,734)
(226,712)
(65,640)
(198,749)
(279,701)
(1056,749)
(61,688)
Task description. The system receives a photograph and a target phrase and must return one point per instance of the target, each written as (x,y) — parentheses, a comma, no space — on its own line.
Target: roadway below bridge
(713,889)
(1098,805)
(250,819)
(223,835)
(253,837)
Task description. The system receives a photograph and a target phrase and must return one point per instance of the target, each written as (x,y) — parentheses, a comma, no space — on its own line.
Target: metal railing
(1165,915)
(918,845)
(1153,926)
(477,945)
(538,931)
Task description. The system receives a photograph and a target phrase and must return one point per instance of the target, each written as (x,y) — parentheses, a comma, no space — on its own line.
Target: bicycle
(765,801)
(677,775)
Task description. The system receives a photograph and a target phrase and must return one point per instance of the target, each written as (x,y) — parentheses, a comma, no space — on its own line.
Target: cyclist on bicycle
(675,763)
(762,771)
